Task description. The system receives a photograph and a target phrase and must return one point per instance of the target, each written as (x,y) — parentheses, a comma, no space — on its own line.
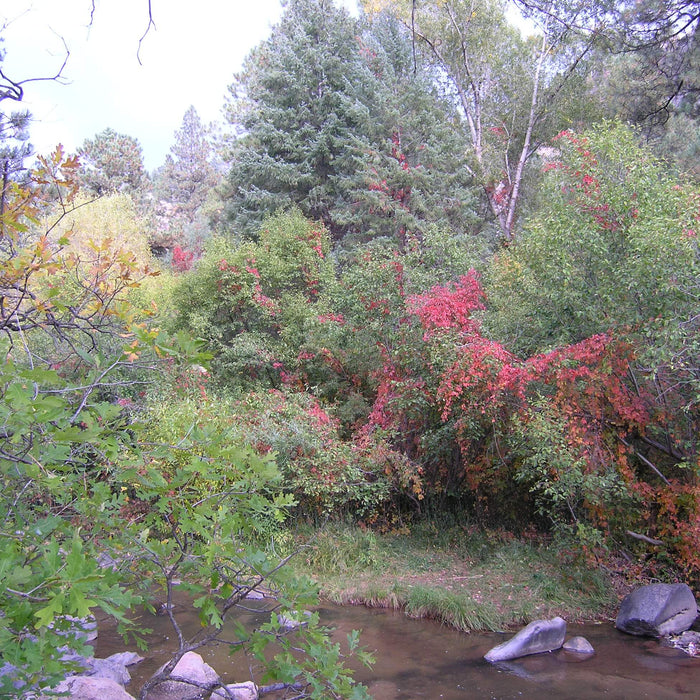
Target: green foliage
(324,473)
(614,248)
(55,507)
(252,302)
(96,509)
(574,498)
(321,670)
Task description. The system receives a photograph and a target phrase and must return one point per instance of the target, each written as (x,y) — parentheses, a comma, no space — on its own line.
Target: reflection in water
(421,659)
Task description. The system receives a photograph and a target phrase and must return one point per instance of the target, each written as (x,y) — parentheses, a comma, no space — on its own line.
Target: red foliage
(450,306)
(484,387)
(182,259)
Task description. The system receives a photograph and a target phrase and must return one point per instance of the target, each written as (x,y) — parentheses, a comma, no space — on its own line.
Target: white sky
(188,59)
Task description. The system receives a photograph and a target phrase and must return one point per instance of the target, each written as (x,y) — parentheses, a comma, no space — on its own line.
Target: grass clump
(336,550)
(459,610)
(471,580)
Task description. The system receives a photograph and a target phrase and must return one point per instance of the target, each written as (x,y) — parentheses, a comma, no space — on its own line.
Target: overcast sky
(189,58)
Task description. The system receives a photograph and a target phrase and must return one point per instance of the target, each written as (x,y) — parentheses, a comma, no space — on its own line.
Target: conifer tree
(330,117)
(111,162)
(14,138)
(189,172)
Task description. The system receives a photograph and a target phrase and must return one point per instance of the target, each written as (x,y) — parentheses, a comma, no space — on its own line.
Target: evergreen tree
(407,171)
(189,172)
(111,162)
(331,118)
(294,102)
(14,138)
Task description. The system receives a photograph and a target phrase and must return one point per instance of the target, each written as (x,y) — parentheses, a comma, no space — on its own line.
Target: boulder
(239,691)
(90,688)
(578,645)
(197,677)
(107,668)
(657,610)
(537,637)
(125,658)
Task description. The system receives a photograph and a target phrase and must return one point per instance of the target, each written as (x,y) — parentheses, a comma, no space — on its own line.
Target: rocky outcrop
(539,636)
(657,610)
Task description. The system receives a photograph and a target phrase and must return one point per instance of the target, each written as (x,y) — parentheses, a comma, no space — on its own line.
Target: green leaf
(46,615)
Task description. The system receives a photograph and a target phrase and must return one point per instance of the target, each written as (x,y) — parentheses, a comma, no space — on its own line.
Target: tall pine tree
(111,162)
(330,116)
(189,173)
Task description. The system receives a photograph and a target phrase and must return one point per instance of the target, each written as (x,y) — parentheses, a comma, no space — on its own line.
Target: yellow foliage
(107,223)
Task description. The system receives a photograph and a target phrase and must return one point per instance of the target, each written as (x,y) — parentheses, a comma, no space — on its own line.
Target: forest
(434,267)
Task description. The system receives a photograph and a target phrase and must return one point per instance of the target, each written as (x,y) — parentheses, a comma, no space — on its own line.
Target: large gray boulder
(537,637)
(657,610)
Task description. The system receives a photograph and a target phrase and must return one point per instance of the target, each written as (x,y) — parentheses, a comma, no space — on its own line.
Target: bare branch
(14,89)
(649,464)
(151,23)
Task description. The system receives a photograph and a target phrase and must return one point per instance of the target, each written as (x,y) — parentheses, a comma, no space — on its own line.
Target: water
(421,659)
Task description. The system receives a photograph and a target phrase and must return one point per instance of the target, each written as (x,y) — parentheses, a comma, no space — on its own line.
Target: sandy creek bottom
(422,659)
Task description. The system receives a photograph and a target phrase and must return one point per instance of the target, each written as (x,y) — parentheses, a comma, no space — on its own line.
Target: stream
(423,659)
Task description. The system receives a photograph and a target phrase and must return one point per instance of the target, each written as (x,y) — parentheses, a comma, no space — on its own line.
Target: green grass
(460,611)
(472,580)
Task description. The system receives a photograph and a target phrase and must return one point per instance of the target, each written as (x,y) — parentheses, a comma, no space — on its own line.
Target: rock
(107,668)
(578,645)
(190,667)
(657,610)
(537,637)
(688,641)
(8,669)
(125,658)
(89,688)
(83,628)
(239,691)
(292,620)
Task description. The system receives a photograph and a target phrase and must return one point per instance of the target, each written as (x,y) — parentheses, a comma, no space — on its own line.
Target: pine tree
(189,173)
(331,120)
(294,102)
(14,139)
(111,162)
(408,170)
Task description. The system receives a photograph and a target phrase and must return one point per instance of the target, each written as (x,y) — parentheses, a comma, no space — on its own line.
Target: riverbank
(466,578)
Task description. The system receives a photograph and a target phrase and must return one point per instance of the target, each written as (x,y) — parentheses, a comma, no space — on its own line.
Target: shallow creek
(422,659)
